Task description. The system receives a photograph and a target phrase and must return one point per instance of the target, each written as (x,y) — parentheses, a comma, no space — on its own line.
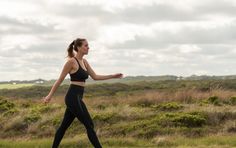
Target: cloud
(11,25)
(136,37)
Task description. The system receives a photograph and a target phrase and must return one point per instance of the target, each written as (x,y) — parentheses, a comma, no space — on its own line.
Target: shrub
(170,106)
(143,103)
(10,112)
(56,121)
(42,108)
(25,104)
(161,124)
(149,131)
(192,119)
(16,124)
(214,100)
(103,117)
(5,105)
(232,100)
(231,130)
(32,118)
(218,117)
(194,132)
(189,120)
(101,106)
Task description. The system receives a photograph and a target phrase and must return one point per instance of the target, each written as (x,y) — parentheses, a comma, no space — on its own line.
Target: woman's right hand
(118,75)
(46,99)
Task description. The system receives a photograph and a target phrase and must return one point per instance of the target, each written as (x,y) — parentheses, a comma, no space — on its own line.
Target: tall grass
(151,115)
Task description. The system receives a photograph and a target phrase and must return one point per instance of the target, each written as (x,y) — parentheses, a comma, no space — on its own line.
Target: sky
(133,37)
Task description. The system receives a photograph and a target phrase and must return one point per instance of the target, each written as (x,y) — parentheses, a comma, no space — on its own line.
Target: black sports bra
(80,74)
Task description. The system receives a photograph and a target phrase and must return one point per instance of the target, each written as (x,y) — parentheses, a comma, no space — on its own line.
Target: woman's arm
(66,69)
(95,76)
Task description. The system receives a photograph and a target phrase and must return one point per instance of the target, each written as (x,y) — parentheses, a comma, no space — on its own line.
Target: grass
(177,115)
(217,141)
(76,141)
(14,86)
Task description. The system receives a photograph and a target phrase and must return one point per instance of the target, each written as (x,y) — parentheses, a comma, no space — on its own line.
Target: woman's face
(85,47)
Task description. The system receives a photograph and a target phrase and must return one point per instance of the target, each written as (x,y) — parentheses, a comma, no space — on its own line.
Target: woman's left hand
(46,99)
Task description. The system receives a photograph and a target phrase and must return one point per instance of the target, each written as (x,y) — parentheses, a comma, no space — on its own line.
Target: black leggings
(75,107)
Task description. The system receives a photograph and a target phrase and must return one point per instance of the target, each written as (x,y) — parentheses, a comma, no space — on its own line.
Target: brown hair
(73,46)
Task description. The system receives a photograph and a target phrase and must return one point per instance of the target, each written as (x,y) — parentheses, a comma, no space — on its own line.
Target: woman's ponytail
(73,46)
(70,50)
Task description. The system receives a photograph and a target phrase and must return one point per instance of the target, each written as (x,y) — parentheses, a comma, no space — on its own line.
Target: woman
(78,69)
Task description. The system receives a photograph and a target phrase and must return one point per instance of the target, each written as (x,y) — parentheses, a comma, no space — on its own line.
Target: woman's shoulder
(85,61)
(70,60)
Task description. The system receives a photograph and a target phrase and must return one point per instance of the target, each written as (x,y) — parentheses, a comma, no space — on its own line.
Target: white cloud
(189,48)
(136,37)
(8,42)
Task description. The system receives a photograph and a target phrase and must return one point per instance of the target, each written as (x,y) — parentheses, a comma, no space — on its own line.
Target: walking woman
(78,69)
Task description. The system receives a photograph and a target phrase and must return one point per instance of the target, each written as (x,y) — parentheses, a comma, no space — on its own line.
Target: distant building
(39,82)
(180,78)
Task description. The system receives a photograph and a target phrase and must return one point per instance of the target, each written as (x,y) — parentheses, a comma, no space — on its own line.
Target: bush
(143,103)
(170,106)
(10,112)
(101,106)
(149,131)
(5,105)
(42,108)
(194,132)
(32,118)
(25,105)
(16,125)
(214,100)
(192,119)
(56,121)
(232,100)
(103,117)
(189,120)
(219,117)
(161,124)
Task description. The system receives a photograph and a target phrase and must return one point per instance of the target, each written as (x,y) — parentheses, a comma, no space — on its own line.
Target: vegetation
(165,114)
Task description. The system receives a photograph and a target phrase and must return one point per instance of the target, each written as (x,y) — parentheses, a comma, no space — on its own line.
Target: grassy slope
(168,113)
(14,86)
(227,141)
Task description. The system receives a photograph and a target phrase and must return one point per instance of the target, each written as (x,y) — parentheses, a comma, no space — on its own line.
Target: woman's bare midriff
(78,83)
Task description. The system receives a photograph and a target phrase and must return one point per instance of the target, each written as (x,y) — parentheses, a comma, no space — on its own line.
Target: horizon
(128,76)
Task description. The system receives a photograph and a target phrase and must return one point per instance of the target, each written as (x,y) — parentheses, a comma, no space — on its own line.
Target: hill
(167,113)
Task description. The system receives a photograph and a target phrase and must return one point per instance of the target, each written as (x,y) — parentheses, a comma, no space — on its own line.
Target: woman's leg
(85,118)
(67,120)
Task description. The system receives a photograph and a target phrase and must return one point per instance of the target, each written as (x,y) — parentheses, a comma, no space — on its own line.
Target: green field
(140,114)
(13,86)
(81,141)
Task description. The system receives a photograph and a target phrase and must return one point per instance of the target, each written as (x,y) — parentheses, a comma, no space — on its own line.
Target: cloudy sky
(134,37)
